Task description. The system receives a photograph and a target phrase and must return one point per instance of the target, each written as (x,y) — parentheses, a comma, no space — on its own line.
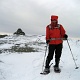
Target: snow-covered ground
(28,65)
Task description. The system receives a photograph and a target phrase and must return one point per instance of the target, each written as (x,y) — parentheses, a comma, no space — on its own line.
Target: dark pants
(58,50)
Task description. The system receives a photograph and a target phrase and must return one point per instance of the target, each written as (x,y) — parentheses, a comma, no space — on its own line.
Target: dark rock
(2,36)
(19,32)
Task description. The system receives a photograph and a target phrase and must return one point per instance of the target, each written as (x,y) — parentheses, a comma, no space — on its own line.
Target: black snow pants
(57,49)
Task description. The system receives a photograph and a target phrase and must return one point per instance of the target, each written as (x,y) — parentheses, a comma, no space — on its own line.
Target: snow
(6,46)
(28,65)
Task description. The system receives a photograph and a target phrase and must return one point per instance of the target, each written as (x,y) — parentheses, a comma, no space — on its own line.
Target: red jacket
(56,32)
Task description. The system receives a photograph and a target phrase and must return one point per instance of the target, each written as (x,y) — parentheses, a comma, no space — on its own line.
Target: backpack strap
(59,26)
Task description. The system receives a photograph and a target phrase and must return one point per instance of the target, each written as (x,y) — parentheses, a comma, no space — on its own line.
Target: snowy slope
(28,65)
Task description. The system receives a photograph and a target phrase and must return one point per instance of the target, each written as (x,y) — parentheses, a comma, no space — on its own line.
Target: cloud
(25,15)
(34,16)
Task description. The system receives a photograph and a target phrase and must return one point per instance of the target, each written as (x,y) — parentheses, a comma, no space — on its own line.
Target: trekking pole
(44,60)
(76,67)
(44,57)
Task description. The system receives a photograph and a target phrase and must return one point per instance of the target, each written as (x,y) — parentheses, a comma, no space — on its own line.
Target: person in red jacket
(54,35)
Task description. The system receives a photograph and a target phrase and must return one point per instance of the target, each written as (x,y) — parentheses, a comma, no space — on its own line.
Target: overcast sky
(32,16)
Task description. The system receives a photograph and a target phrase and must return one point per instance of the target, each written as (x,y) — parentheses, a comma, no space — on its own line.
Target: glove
(66,36)
(47,41)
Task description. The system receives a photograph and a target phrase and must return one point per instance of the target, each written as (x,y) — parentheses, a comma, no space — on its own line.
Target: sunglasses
(53,21)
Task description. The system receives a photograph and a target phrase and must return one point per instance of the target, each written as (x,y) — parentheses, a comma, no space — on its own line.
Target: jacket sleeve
(47,33)
(62,31)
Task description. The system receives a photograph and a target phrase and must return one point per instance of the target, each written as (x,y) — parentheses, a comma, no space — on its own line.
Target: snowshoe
(46,71)
(57,69)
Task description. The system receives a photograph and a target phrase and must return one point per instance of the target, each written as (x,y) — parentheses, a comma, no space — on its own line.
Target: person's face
(54,22)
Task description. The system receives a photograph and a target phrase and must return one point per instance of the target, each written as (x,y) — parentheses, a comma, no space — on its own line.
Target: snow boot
(46,71)
(57,69)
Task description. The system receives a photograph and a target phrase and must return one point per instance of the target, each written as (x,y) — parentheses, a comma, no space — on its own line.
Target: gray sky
(32,16)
